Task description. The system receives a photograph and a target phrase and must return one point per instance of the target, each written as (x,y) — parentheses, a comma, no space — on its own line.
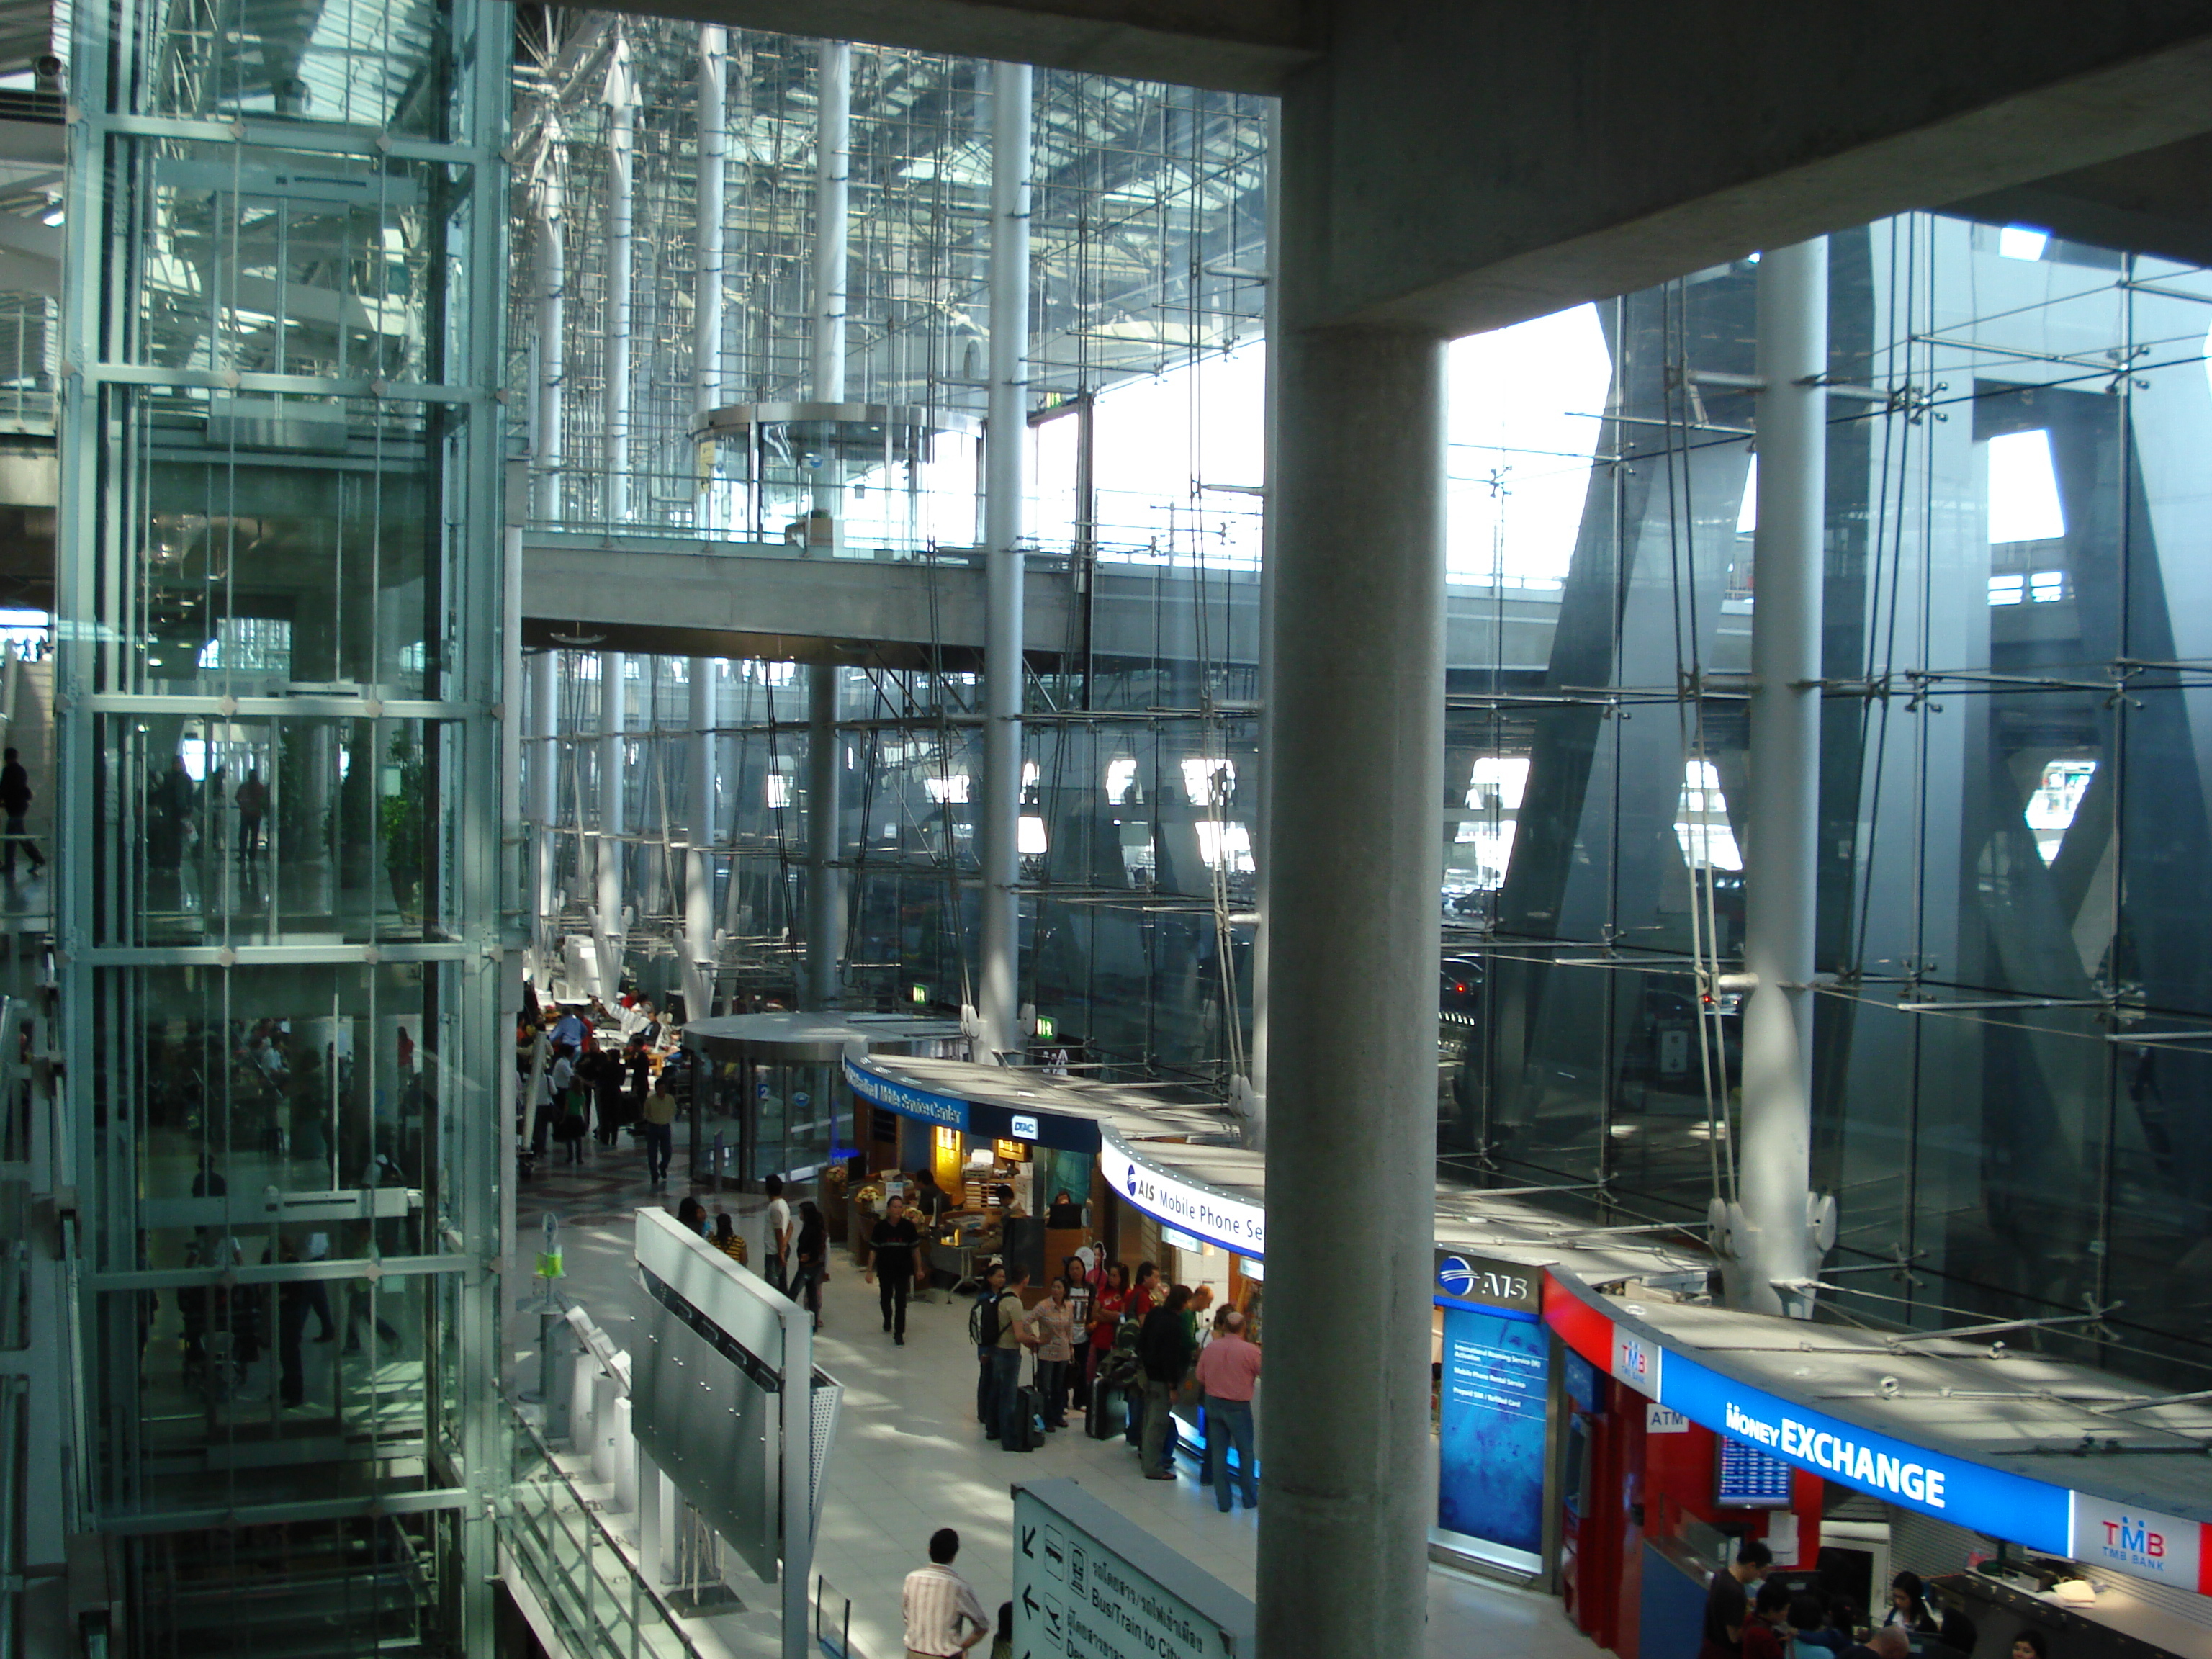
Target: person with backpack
(983,1335)
(1008,1339)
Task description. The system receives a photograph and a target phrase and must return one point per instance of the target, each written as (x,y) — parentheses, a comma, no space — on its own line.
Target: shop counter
(2117,1624)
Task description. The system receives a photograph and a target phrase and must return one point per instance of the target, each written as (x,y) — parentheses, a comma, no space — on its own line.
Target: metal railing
(576,1567)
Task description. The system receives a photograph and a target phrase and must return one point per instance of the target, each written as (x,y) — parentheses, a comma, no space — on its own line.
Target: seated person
(1065,1211)
(1808,1622)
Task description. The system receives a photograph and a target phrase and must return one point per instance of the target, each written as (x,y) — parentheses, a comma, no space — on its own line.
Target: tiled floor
(910,1458)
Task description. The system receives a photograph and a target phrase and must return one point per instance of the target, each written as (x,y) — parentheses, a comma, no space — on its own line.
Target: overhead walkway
(677,596)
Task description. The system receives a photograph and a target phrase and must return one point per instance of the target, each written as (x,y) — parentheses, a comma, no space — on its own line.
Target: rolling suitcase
(1102,1413)
(1027,1433)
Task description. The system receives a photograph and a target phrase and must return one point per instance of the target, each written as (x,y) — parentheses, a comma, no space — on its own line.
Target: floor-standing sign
(1091,1585)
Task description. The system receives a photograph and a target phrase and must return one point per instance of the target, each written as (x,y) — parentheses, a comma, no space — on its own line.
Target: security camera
(47,69)
(1891,1388)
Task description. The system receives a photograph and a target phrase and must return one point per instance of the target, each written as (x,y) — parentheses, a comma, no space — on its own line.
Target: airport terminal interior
(1112,623)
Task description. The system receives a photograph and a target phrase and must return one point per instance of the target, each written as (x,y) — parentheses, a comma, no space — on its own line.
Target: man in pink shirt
(1228,1369)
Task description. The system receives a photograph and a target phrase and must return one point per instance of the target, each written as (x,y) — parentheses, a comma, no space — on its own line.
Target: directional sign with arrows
(1090,1584)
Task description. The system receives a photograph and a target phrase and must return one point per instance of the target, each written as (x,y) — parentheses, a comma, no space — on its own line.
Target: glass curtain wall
(2011,1092)
(281,889)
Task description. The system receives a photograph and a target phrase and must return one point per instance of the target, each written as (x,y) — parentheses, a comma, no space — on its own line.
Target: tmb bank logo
(2126,1537)
(1847,1460)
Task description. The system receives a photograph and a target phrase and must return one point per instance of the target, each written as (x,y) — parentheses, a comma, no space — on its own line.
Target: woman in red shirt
(1107,1303)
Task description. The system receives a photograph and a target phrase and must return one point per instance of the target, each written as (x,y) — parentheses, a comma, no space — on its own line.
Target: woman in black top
(606,1075)
(811,1255)
(1908,1604)
(1065,1211)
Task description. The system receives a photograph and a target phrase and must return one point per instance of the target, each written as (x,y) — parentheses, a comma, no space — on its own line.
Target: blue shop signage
(1482,1283)
(948,1111)
(1968,1494)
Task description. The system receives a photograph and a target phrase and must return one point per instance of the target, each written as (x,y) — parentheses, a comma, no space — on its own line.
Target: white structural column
(825,886)
(1358,744)
(1005,457)
(544,803)
(545,195)
(699,871)
(832,165)
(1263,811)
(622,148)
(1774,1258)
(713,146)
(607,935)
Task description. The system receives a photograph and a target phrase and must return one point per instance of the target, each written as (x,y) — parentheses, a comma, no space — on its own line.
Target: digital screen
(1750,1479)
(1492,1422)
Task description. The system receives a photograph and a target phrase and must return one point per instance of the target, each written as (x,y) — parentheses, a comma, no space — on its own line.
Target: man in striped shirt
(938,1603)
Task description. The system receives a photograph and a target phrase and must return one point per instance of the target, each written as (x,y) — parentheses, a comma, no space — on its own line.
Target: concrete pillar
(622,145)
(1358,733)
(607,929)
(825,886)
(1004,458)
(1774,1259)
(699,866)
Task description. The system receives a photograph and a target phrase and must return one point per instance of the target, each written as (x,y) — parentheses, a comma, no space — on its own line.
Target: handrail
(607,1534)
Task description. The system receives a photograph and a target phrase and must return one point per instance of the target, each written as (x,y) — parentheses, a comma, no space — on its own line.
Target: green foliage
(400,817)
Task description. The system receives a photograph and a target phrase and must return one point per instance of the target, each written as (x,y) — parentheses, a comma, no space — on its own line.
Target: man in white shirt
(943,1619)
(779,1234)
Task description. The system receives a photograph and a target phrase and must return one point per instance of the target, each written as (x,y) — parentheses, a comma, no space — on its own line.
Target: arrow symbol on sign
(1029,1602)
(1029,1537)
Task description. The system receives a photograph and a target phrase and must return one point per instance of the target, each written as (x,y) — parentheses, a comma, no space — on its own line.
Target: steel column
(699,885)
(1006,456)
(607,930)
(622,145)
(825,897)
(544,800)
(552,300)
(713,144)
(1773,1260)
